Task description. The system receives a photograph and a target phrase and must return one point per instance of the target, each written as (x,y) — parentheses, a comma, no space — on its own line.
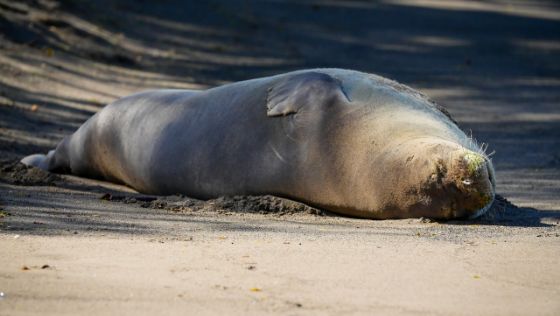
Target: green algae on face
(474,162)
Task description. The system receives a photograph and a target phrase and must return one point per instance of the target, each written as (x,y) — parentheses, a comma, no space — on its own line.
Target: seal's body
(349,142)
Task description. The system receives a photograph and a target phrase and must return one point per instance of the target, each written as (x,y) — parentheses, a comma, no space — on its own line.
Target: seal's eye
(467,182)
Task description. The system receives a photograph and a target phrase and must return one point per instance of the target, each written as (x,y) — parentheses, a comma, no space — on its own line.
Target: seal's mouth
(483,210)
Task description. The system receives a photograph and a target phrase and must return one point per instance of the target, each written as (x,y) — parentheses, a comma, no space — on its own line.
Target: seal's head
(440,179)
(369,147)
(420,163)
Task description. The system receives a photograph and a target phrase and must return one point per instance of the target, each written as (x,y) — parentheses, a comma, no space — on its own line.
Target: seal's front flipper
(301,90)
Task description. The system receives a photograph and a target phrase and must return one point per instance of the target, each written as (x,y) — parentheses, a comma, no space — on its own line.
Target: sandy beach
(78,246)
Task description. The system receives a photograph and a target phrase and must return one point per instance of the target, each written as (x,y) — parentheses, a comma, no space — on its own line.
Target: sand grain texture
(71,245)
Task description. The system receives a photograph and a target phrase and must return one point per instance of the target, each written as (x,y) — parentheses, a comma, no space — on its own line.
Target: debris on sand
(266,204)
(17,173)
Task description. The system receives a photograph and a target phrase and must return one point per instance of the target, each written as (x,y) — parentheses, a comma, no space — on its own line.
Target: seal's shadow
(505,213)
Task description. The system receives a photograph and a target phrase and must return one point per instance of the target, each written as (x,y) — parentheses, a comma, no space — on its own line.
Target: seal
(349,142)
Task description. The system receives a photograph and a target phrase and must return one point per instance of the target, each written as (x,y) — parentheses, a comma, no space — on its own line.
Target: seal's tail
(39,160)
(56,160)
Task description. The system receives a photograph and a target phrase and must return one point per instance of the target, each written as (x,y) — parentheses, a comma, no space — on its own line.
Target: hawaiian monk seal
(349,142)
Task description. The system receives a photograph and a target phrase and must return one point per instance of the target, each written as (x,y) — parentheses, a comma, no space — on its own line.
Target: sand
(79,246)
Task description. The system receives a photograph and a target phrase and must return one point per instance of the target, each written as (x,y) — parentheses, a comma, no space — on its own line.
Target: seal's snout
(472,176)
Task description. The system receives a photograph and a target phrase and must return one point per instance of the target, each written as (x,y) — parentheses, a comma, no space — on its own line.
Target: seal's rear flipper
(56,160)
(38,160)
